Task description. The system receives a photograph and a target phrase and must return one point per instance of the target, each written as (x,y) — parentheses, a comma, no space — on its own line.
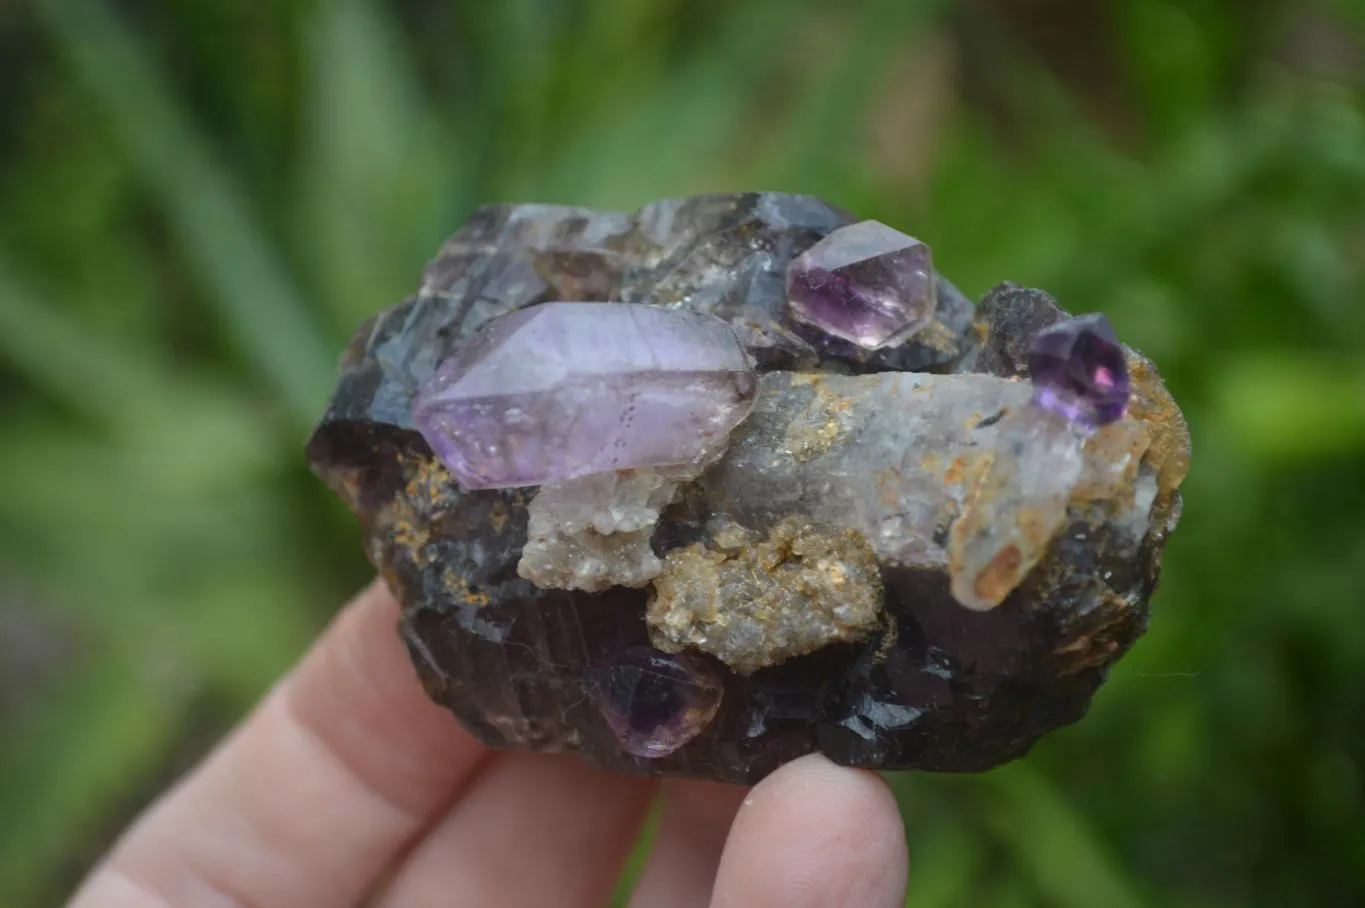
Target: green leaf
(816,147)
(1052,844)
(208,211)
(1283,405)
(381,180)
(669,138)
(100,381)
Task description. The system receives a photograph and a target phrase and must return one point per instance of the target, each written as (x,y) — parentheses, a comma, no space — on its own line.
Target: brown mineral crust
(1169,452)
(1001,575)
(943,340)
(824,421)
(417,520)
(1119,446)
(757,603)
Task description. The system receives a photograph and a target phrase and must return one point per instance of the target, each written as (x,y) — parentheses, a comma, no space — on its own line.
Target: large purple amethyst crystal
(609,537)
(563,390)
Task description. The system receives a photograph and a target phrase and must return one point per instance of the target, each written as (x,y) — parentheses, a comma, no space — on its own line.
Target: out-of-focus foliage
(200,199)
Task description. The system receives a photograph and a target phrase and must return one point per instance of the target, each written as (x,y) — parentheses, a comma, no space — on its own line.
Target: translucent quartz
(1079,372)
(865,283)
(655,702)
(562,390)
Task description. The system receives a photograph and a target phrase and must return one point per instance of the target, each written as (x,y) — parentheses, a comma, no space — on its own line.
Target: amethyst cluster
(701,488)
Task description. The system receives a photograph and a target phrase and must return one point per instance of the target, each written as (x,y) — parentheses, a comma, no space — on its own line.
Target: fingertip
(815,834)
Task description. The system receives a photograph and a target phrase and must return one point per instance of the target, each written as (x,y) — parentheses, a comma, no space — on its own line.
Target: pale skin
(346,786)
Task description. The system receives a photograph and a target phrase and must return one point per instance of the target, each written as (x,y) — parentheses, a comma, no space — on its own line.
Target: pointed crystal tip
(563,390)
(1079,371)
(653,701)
(865,283)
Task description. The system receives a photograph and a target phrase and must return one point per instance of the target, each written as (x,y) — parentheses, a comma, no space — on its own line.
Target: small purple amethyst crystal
(1079,371)
(562,390)
(655,702)
(865,283)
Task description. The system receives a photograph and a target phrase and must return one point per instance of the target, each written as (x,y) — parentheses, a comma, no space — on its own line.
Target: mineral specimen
(865,283)
(914,556)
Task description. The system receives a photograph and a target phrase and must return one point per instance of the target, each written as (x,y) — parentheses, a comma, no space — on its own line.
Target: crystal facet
(865,283)
(655,702)
(814,564)
(1079,371)
(565,389)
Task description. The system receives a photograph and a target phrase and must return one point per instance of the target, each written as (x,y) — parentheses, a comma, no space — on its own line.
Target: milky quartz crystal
(698,489)
(594,532)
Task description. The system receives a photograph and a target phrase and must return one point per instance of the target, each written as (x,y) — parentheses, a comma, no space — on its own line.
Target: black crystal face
(932,686)
(655,702)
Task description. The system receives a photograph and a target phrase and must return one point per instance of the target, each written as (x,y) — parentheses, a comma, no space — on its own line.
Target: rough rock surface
(753,602)
(931,684)
(593,532)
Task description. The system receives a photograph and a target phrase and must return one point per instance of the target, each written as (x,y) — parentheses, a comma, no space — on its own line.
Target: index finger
(313,795)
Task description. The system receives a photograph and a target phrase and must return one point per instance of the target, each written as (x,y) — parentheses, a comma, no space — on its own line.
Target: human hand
(347,786)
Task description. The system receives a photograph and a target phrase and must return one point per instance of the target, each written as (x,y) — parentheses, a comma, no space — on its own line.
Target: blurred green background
(201,199)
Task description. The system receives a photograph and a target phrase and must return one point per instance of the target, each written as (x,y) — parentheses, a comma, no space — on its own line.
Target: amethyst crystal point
(563,390)
(1078,371)
(865,283)
(815,564)
(655,703)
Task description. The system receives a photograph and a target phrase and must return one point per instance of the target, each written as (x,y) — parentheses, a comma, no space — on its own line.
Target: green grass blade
(252,290)
(74,366)
(1053,845)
